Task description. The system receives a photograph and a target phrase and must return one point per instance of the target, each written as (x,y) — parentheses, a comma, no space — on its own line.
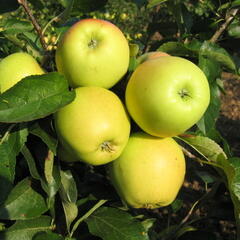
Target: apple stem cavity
(92,43)
(107,146)
(184,93)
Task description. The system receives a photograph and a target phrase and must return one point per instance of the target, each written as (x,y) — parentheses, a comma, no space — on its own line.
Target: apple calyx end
(183,93)
(150,206)
(107,146)
(93,43)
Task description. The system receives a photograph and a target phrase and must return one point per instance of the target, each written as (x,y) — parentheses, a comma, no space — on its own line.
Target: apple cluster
(165,96)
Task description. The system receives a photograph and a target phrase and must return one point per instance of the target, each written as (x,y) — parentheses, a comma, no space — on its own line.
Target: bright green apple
(93,52)
(95,127)
(167,95)
(150,171)
(15,67)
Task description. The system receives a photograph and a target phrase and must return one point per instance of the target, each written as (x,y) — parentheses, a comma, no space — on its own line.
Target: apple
(167,95)
(150,55)
(15,67)
(93,52)
(150,171)
(94,128)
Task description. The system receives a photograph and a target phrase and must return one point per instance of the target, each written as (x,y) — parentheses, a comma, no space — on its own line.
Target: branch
(34,22)
(223,27)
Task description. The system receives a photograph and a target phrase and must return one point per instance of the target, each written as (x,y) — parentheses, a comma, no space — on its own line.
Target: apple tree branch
(37,27)
(223,27)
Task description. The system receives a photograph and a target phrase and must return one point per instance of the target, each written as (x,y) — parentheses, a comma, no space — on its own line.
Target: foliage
(43,198)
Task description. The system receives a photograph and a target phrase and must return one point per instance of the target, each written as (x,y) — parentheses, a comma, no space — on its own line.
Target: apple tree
(43,197)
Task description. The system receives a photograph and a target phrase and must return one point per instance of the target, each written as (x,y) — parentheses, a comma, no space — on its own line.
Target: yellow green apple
(167,95)
(93,52)
(15,67)
(95,127)
(150,171)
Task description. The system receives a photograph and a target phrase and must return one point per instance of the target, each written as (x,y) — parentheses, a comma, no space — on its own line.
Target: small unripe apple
(15,67)
(94,128)
(150,171)
(93,52)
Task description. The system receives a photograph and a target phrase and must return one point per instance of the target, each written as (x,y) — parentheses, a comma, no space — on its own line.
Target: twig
(34,22)
(7,133)
(86,215)
(189,213)
(223,27)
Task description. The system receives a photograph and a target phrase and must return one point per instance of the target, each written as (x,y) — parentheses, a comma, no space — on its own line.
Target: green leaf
(51,187)
(153,3)
(32,44)
(232,171)
(206,177)
(148,223)
(217,137)
(65,3)
(184,230)
(230,167)
(206,147)
(47,236)
(140,3)
(63,16)
(71,212)
(10,146)
(182,16)
(37,4)
(68,193)
(23,203)
(35,97)
(134,49)
(213,51)
(26,229)
(69,188)
(176,205)
(86,215)
(15,26)
(89,5)
(114,224)
(235,3)
(31,163)
(8,6)
(180,49)
(207,122)
(212,70)
(210,67)
(42,132)
(234,29)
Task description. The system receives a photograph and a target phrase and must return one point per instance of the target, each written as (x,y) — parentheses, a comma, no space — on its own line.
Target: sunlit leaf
(10,146)
(35,97)
(26,229)
(114,224)
(23,203)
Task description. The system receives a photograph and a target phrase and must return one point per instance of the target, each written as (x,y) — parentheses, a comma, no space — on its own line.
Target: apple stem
(107,146)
